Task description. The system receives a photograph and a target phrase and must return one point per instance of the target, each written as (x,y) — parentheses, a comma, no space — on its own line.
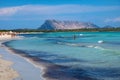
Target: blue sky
(32,13)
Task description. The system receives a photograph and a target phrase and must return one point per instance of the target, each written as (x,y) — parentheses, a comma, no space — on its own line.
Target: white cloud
(53,10)
(113,19)
(9,11)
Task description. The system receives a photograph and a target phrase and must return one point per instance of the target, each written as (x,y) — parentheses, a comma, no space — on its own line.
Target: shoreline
(50,71)
(6,70)
(39,65)
(26,59)
(25,69)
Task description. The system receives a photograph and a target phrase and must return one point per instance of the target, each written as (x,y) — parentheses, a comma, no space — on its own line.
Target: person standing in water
(74,37)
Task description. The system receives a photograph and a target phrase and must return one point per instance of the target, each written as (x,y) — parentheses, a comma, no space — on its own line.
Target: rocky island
(62,25)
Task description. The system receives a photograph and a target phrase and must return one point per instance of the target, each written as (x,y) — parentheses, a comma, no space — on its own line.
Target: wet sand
(6,72)
(14,67)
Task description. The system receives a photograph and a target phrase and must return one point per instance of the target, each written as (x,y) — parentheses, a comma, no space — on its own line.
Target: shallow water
(74,55)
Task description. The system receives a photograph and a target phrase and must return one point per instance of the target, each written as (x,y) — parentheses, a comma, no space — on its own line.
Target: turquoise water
(96,53)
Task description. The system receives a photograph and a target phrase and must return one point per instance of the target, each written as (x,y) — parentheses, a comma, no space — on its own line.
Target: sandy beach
(6,72)
(14,67)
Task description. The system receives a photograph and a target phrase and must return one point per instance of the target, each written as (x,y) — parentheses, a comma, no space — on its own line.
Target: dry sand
(6,72)
(8,37)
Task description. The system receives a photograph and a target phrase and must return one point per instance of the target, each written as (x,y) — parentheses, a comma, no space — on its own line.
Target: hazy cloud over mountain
(53,10)
(20,13)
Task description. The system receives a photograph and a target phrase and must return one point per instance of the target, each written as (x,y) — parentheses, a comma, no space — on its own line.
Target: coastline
(50,71)
(22,68)
(39,65)
(6,71)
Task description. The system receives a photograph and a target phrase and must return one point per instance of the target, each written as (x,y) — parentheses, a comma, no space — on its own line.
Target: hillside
(61,25)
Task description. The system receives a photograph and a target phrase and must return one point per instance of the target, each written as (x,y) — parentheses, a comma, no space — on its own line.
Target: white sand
(6,72)
(4,37)
(25,69)
(8,37)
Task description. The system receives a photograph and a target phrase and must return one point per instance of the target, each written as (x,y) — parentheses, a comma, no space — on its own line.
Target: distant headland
(62,26)
(65,25)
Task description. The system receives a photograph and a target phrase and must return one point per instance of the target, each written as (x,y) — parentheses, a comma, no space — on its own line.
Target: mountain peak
(56,25)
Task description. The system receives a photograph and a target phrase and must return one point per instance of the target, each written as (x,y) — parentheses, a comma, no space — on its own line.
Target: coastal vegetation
(65,30)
